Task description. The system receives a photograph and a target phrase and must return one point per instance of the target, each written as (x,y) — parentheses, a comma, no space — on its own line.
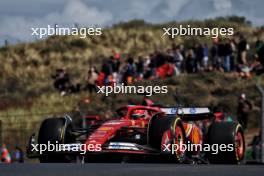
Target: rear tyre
(56,131)
(232,136)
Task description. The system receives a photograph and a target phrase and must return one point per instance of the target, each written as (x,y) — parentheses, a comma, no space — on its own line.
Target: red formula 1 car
(140,132)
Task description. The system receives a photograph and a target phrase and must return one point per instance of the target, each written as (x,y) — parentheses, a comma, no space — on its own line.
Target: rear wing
(189,113)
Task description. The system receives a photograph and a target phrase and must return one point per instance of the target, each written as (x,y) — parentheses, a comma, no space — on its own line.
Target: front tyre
(54,131)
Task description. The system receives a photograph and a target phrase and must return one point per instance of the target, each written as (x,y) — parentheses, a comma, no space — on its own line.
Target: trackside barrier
(261,90)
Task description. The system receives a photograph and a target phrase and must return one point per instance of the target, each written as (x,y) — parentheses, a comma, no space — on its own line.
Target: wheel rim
(166,139)
(239,145)
(179,140)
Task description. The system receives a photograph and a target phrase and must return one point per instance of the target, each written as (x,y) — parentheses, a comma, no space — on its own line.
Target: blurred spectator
(115,63)
(199,54)
(62,82)
(214,54)
(91,79)
(242,51)
(108,114)
(153,64)
(129,71)
(5,155)
(205,56)
(140,68)
(256,146)
(256,66)
(221,54)
(227,52)
(191,63)
(182,49)
(164,69)
(232,56)
(178,59)
(259,67)
(148,69)
(18,155)
(107,67)
(61,78)
(243,110)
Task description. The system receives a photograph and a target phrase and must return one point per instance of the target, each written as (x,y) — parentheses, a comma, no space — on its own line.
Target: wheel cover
(166,139)
(239,142)
(179,140)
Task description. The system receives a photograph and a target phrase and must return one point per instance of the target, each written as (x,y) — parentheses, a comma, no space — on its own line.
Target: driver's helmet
(138,113)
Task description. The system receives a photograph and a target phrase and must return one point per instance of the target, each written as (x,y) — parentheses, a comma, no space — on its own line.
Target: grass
(212,89)
(205,89)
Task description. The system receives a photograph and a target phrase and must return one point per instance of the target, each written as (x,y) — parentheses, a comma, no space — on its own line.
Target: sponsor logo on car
(192,110)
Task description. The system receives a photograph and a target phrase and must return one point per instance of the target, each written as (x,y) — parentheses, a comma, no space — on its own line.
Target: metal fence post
(261,90)
(1,136)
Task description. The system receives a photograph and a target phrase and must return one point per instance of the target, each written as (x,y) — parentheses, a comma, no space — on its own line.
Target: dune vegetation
(27,94)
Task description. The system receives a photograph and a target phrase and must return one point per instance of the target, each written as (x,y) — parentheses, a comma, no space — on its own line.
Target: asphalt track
(96,169)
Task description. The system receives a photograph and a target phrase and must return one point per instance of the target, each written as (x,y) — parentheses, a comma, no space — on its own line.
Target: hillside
(26,69)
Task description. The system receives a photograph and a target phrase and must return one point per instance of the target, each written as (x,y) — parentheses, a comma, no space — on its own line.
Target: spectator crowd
(226,55)
(17,156)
